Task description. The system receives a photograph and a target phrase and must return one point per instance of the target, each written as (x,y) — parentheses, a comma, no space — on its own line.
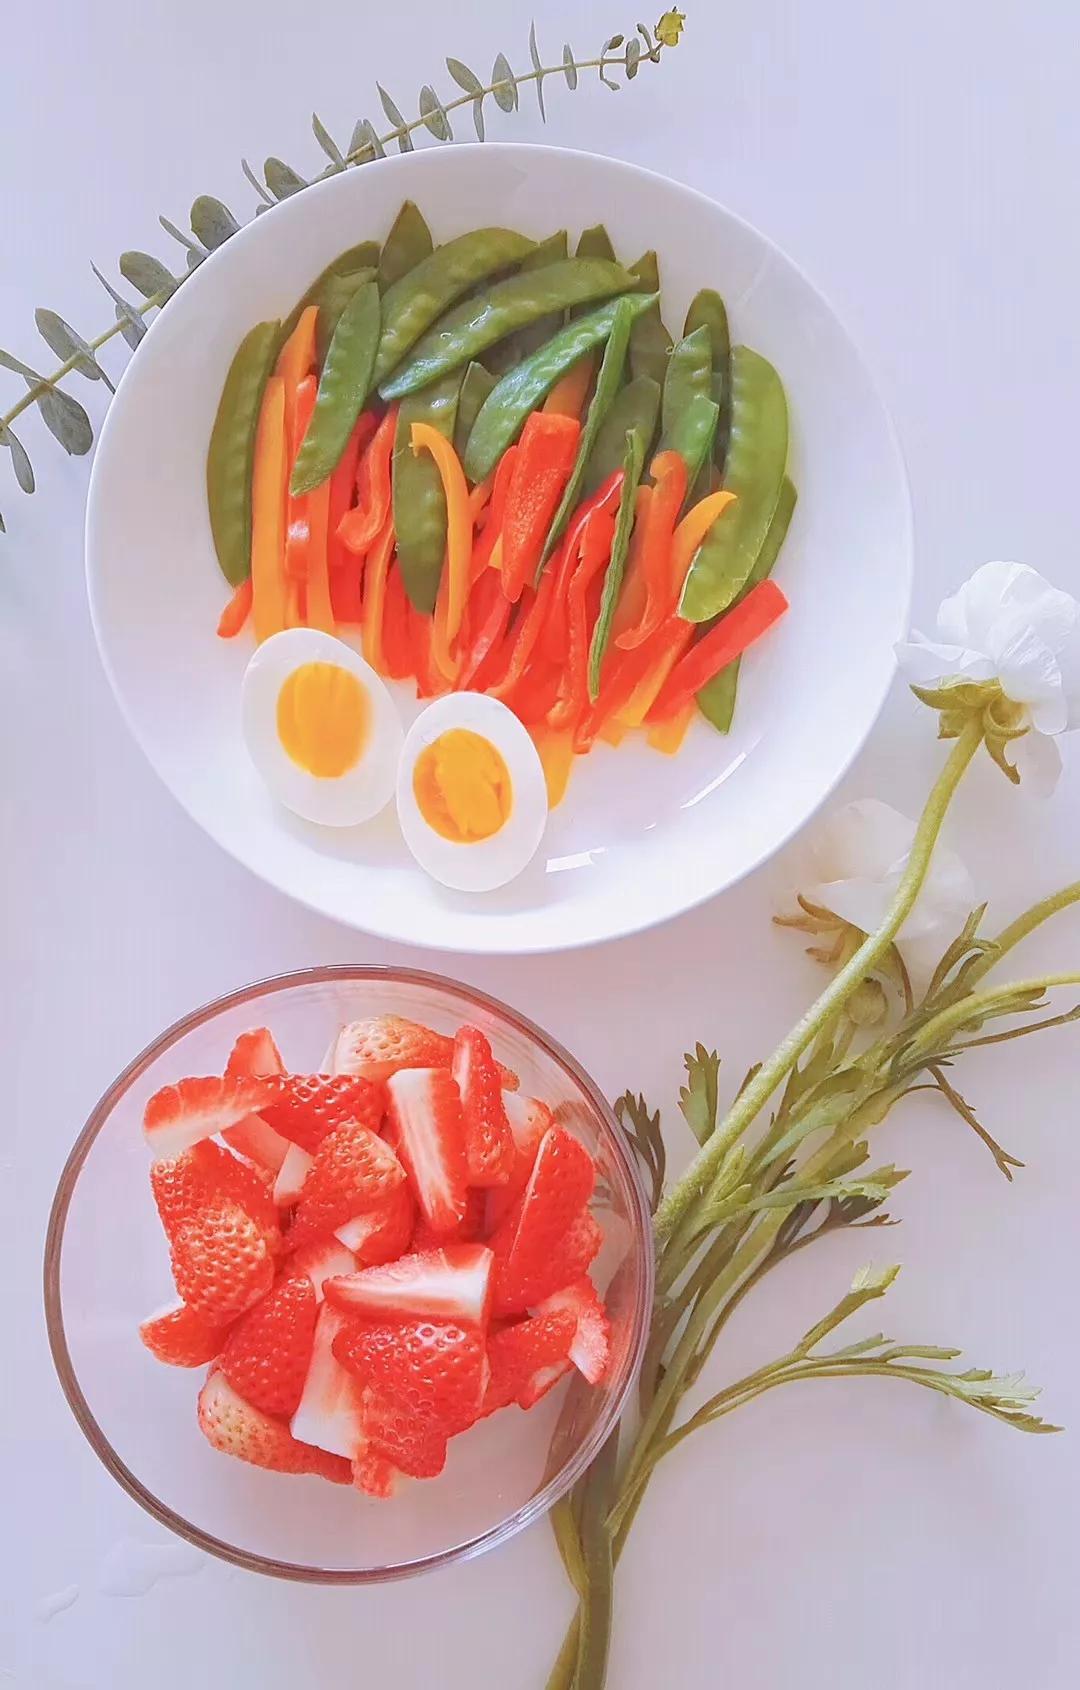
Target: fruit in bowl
(374,1258)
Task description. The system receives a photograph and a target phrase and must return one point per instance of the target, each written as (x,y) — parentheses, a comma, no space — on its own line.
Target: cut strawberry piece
(220,1261)
(449,1284)
(184,1185)
(469,1230)
(374,1475)
(306,1108)
(529,1120)
(527,1358)
(318,1262)
(179,1116)
(489,1146)
(182,1336)
(295,1167)
(235,1428)
(425,1113)
(252,1137)
(267,1353)
(353,1170)
(382,1233)
(387,1044)
(255,1054)
(404,1440)
(329,1411)
(591,1347)
(530,1243)
(433,1369)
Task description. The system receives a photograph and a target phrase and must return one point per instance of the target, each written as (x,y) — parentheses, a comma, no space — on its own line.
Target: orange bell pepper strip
(491,533)
(343,487)
(319,609)
(483,633)
(376,570)
(297,508)
(689,535)
(631,603)
(271,466)
(459,528)
(525,637)
(567,397)
(360,528)
(397,647)
(236,611)
(595,549)
(430,680)
(440,645)
(726,640)
(295,361)
(668,736)
(546,453)
(668,470)
(554,633)
(556,754)
(665,649)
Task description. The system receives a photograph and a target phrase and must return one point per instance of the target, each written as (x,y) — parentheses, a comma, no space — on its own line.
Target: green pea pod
(689,375)
(231,451)
(334,295)
(407,244)
(524,342)
(472,325)
(707,310)
(608,379)
(419,501)
(757,458)
(343,387)
(692,434)
(632,464)
(636,406)
(595,243)
(650,342)
(362,257)
(503,413)
(475,387)
(716,700)
(413,303)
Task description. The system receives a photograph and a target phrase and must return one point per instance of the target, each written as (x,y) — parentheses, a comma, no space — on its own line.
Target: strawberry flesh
(179,1116)
(489,1147)
(381,1233)
(326,1259)
(256,1055)
(306,1108)
(353,1170)
(425,1114)
(528,1120)
(453,1283)
(591,1347)
(527,1358)
(236,1428)
(431,1369)
(328,1414)
(404,1440)
(183,1337)
(530,1243)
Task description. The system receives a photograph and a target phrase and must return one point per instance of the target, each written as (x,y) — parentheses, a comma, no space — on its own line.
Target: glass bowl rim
(554,1488)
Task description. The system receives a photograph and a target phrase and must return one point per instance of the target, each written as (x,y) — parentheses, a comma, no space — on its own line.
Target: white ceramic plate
(640,836)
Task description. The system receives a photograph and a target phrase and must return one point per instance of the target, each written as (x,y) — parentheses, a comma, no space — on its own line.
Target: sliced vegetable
(662,653)
(695,527)
(636,406)
(408,244)
(489,613)
(650,342)
(526,634)
(655,567)
(419,504)
(707,310)
(423,293)
(475,387)
(555,747)
(595,243)
(545,458)
(236,612)
(485,546)
(716,700)
(427,438)
(689,376)
(343,388)
(594,552)
(342,487)
(294,363)
(269,471)
(297,523)
(319,610)
(757,456)
(333,299)
(397,641)
(230,455)
(633,461)
(521,391)
(358,528)
(473,325)
(746,622)
(555,630)
(567,397)
(376,569)
(667,736)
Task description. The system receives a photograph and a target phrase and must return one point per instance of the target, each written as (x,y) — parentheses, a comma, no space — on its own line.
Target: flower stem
(1022,926)
(974,1007)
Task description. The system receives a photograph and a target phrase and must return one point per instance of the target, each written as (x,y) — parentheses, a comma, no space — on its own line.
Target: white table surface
(920,162)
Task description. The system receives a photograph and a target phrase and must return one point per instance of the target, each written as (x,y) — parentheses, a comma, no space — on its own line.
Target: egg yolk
(324,719)
(462,787)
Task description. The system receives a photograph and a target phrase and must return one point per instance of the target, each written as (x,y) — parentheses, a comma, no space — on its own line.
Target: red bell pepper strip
(581,610)
(343,486)
(546,453)
(725,641)
(295,361)
(359,528)
(668,470)
(554,633)
(489,613)
(236,611)
(526,634)
(346,593)
(485,544)
(624,671)
(397,647)
(376,570)
(631,605)
(535,693)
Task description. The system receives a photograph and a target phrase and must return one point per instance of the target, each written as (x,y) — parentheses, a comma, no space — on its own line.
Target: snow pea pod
(475,387)
(716,700)
(503,414)
(692,433)
(633,462)
(689,375)
(231,450)
(608,379)
(408,242)
(413,303)
(343,387)
(524,342)
(636,406)
(472,325)
(757,458)
(365,256)
(419,500)
(650,342)
(595,243)
(708,310)
(335,292)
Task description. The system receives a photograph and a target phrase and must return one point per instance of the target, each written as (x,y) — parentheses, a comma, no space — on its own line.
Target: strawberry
(449,1284)
(388,1043)
(470,1227)
(296,1164)
(353,1170)
(177,1117)
(432,1369)
(318,1262)
(591,1347)
(182,1337)
(256,1055)
(235,1428)
(407,1442)
(308,1107)
(489,1146)
(266,1355)
(528,1120)
(328,1415)
(374,1475)
(529,1243)
(382,1233)
(425,1115)
(220,1261)
(183,1185)
(527,1358)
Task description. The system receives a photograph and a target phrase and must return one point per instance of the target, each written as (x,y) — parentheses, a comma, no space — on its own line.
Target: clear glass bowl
(106,1268)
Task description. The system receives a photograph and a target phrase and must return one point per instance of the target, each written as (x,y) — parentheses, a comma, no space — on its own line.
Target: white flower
(859,855)
(1007,624)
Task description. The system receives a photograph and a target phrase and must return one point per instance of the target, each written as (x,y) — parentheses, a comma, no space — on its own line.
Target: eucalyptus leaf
(464,77)
(3,530)
(8,361)
(147,274)
(255,183)
(179,235)
(282,180)
(66,420)
(538,68)
(365,139)
(212,222)
(195,257)
(326,141)
(24,469)
(504,87)
(62,339)
(434,115)
(614,43)
(478,117)
(132,326)
(569,66)
(633,55)
(404,139)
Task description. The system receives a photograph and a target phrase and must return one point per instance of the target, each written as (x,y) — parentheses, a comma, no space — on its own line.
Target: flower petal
(926,661)
(1038,762)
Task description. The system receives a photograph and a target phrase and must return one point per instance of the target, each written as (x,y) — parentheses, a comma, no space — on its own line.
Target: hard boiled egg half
(471,796)
(320,727)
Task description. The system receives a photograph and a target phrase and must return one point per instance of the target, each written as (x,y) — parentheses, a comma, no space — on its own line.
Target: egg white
(487,863)
(341,801)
